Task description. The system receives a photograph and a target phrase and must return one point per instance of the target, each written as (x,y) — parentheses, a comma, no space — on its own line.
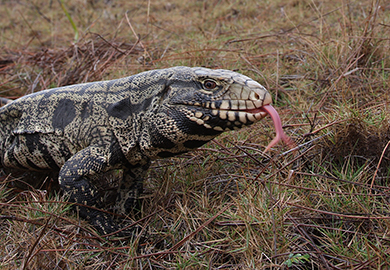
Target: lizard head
(221,100)
(198,104)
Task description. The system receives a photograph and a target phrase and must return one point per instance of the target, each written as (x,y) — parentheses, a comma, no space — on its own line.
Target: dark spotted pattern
(83,131)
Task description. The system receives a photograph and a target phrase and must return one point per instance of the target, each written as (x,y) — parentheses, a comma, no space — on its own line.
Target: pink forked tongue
(278,128)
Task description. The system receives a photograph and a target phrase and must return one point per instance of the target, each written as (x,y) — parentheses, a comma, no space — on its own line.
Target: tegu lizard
(84,130)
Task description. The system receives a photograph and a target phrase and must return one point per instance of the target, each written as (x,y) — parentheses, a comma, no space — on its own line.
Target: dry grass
(227,205)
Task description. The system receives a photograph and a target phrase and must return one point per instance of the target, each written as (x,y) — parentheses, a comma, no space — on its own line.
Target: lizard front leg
(74,179)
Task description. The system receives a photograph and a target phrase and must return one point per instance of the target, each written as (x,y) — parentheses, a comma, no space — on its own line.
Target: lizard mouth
(254,115)
(227,114)
(235,117)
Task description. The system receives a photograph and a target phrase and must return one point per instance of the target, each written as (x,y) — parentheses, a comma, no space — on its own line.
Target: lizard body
(82,131)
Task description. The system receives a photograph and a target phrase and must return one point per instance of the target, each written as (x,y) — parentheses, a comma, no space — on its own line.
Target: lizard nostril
(257,96)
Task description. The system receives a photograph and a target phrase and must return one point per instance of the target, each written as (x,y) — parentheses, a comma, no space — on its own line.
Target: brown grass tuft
(359,141)
(88,60)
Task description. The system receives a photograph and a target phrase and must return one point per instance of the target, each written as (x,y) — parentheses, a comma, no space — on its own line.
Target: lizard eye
(209,84)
